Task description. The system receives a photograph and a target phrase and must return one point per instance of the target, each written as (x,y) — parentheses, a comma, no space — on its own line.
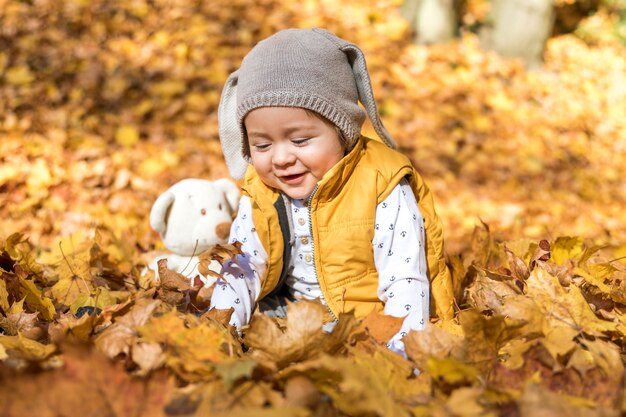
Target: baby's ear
(231,191)
(159,211)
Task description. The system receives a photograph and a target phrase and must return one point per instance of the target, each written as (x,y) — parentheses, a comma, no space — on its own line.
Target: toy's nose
(222,230)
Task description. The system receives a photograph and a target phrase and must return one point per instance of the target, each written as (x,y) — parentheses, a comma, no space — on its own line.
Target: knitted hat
(307,68)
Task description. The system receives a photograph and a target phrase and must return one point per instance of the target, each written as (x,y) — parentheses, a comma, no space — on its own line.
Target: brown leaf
(541,254)
(434,341)
(301,391)
(489,291)
(120,336)
(300,340)
(148,356)
(200,297)
(24,323)
(219,253)
(516,265)
(97,388)
(172,280)
(379,327)
(481,244)
(220,316)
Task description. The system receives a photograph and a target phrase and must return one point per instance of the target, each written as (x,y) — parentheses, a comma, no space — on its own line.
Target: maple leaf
(35,300)
(191,349)
(172,280)
(542,253)
(24,323)
(231,372)
(20,251)
(70,328)
(74,273)
(378,326)
(566,249)
(564,308)
(148,356)
(121,335)
(537,401)
(301,339)
(518,268)
(20,347)
(490,291)
(369,384)
(219,253)
(434,341)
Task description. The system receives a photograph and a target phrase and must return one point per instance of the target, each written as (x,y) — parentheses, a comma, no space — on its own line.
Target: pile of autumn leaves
(540,327)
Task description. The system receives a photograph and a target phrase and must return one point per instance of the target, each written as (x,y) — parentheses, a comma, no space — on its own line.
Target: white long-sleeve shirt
(399,257)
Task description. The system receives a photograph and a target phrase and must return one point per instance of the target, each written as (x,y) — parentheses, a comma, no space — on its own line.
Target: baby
(325,213)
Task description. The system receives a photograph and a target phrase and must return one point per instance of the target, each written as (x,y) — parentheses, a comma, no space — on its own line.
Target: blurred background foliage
(104,104)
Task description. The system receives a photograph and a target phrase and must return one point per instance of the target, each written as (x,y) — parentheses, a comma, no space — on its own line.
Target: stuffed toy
(191,216)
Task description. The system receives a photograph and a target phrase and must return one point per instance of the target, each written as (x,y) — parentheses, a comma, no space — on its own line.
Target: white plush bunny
(191,216)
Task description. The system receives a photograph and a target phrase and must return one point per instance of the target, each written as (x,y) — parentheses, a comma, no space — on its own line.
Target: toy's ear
(231,191)
(159,211)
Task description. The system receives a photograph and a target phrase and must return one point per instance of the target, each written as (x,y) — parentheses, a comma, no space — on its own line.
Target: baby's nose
(282,155)
(222,230)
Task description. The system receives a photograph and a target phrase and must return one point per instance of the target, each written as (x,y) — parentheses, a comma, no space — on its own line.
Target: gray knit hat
(308,68)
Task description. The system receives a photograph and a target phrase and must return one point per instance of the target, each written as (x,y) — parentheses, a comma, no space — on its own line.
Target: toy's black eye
(219,206)
(203,212)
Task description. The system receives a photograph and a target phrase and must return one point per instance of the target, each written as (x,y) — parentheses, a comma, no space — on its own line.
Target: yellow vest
(343,211)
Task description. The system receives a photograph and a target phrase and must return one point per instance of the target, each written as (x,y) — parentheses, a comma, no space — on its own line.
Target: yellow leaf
(512,353)
(39,178)
(564,308)
(301,339)
(101,298)
(9,172)
(127,135)
(169,88)
(451,370)
(4,296)
(190,348)
(433,341)
(606,355)
(122,335)
(17,307)
(149,356)
(74,274)
(24,348)
(20,75)
(35,300)
(565,248)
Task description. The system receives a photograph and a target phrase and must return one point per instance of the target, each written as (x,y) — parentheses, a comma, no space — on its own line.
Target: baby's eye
(219,206)
(300,141)
(261,146)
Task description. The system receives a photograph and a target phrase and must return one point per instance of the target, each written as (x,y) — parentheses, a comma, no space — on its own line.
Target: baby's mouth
(292,178)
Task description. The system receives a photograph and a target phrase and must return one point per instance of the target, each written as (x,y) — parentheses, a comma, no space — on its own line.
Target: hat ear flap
(159,211)
(364,88)
(229,129)
(231,192)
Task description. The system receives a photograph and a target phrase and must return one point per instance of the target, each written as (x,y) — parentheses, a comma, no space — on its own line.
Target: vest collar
(336,178)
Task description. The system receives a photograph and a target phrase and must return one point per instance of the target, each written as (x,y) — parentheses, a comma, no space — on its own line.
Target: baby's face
(291,149)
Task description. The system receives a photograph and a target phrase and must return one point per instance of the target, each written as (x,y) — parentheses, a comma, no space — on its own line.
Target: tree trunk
(520,29)
(433,21)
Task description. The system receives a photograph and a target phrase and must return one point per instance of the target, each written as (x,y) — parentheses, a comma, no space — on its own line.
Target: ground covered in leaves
(106,104)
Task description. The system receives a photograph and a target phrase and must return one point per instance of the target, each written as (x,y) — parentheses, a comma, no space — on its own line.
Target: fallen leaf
(95,384)
(301,339)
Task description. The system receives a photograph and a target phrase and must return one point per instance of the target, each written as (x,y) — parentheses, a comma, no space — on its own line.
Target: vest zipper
(313,251)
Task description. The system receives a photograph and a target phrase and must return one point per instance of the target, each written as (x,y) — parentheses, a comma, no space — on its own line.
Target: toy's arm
(400,260)
(241,284)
